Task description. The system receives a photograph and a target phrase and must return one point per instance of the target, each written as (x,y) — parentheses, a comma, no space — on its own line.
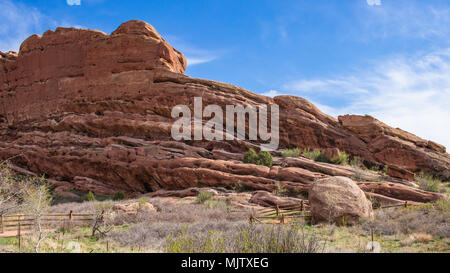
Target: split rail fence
(281,215)
(15,222)
(287,214)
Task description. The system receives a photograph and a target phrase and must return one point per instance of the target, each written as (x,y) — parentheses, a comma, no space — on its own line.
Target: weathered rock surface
(338,199)
(93,112)
(395,147)
(401,192)
(267,199)
(397,172)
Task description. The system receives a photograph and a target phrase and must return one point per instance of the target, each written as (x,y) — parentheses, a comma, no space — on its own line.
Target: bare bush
(249,238)
(428,219)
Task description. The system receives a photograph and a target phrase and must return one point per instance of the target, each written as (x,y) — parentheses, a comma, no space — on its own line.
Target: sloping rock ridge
(92,111)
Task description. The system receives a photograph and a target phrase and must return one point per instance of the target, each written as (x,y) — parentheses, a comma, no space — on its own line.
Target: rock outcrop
(397,148)
(92,111)
(267,199)
(338,200)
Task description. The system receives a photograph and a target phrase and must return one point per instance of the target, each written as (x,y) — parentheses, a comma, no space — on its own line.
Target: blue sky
(386,58)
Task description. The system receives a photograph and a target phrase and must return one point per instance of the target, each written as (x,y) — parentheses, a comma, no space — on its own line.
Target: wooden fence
(395,206)
(286,214)
(281,215)
(14,222)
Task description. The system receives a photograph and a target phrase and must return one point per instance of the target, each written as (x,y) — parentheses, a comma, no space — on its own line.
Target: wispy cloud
(194,54)
(402,18)
(272,93)
(199,60)
(374,2)
(17,22)
(409,92)
(73,2)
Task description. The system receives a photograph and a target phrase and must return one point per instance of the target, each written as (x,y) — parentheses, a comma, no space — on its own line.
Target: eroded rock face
(93,112)
(267,199)
(339,200)
(395,147)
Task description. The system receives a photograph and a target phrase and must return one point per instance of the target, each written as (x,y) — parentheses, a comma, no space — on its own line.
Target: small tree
(118,196)
(12,189)
(102,220)
(37,199)
(89,197)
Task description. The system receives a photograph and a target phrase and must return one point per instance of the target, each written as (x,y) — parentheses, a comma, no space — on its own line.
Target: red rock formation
(266,199)
(398,148)
(93,112)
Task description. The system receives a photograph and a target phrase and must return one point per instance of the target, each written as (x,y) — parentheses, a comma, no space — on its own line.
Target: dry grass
(427,219)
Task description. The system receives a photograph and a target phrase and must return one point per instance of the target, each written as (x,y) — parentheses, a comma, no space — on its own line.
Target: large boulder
(338,200)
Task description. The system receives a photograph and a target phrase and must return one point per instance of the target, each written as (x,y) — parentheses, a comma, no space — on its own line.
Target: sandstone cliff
(93,112)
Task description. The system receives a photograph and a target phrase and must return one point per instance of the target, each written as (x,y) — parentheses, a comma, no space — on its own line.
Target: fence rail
(281,215)
(286,214)
(14,222)
(395,206)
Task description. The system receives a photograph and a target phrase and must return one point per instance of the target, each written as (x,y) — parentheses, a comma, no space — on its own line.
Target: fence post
(277,209)
(18,230)
(301,205)
(1,223)
(70,219)
(373,246)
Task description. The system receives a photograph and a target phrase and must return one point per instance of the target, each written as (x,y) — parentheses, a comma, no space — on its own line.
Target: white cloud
(272,93)
(344,85)
(17,22)
(411,93)
(401,19)
(194,55)
(73,2)
(374,2)
(191,61)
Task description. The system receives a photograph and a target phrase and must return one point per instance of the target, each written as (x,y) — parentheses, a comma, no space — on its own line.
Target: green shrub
(143,201)
(428,182)
(89,197)
(341,159)
(291,153)
(251,157)
(118,196)
(356,161)
(263,158)
(316,155)
(204,196)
